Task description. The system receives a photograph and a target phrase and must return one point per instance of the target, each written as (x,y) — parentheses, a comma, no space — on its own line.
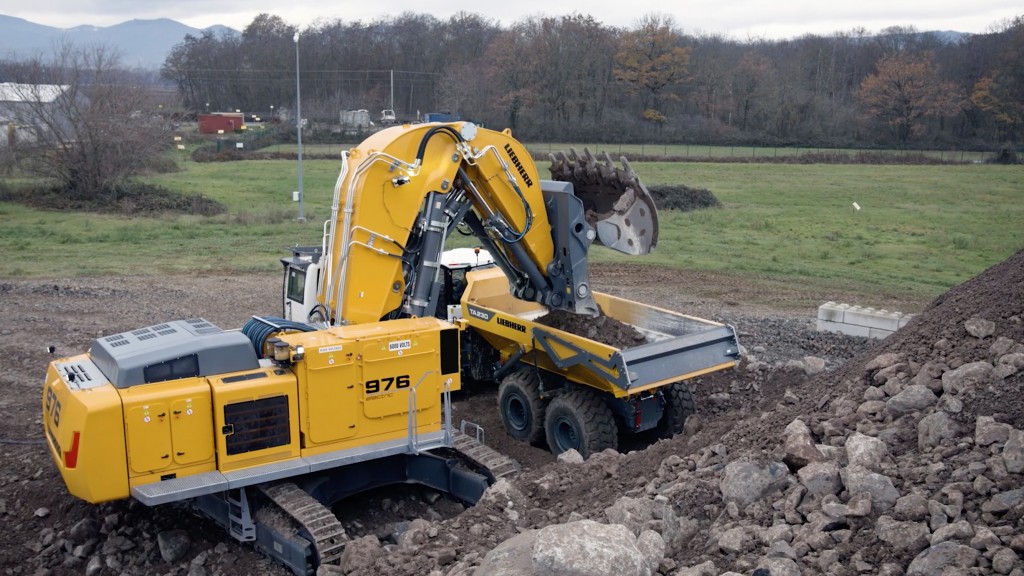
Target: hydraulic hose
(430,134)
(259,328)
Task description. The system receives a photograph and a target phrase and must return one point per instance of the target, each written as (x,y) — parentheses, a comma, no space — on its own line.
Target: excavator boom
(403,190)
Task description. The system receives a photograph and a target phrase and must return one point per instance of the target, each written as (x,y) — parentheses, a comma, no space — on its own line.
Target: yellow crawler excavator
(350,389)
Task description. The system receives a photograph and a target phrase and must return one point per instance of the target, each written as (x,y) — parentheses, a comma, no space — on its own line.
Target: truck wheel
(520,405)
(580,420)
(679,405)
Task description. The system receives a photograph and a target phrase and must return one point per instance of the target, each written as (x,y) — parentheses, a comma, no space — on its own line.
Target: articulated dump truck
(351,388)
(577,393)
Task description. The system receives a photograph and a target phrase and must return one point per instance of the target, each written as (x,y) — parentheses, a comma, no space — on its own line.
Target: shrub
(683,198)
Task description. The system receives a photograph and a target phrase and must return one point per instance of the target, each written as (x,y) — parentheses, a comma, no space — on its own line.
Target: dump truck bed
(676,346)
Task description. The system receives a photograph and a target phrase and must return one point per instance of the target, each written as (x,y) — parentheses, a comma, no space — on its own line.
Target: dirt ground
(775,319)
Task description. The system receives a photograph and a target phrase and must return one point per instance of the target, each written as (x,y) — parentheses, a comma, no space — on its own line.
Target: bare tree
(93,128)
(750,86)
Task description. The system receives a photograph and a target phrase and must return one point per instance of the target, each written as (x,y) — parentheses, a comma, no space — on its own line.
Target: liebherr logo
(519,165)
(511,324)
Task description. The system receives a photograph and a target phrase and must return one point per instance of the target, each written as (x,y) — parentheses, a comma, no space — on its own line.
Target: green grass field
(920,229)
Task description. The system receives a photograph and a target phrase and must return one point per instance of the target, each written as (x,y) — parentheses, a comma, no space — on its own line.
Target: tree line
(573,78)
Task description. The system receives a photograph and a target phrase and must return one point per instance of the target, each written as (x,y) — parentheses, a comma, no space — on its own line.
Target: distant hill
(142,43)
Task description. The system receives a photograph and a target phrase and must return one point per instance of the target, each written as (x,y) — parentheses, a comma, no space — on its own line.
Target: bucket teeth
(617,204)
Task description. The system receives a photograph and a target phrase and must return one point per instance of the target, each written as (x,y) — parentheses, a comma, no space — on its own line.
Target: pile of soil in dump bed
(602,329)
(682,198)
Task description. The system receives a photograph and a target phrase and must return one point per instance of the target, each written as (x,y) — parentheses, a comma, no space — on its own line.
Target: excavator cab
(301,282)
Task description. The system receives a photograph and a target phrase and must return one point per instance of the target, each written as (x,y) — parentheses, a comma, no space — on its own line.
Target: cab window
(296,285)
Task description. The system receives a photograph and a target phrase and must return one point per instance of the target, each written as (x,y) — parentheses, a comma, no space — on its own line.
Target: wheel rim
(566,435)
(517,413)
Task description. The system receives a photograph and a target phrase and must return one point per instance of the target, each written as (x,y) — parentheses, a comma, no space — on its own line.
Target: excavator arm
(403,190)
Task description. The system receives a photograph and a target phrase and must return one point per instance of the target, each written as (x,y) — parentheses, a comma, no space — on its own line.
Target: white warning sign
(399,345)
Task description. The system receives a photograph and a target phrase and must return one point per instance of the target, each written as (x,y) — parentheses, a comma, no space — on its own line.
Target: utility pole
(298,126)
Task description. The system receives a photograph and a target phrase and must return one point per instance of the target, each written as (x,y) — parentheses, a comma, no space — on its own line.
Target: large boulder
(799,446)
(936,559)
(866,451)
(745,481)
(969,375)
(583,548)
(859,479)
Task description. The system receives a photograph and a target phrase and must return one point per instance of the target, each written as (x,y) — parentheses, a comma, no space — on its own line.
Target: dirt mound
(941,333)
(603,329)
(682,198)
(934,473)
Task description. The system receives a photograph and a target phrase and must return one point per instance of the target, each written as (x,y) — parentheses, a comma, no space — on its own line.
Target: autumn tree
(651,61)
(905,90)
(1000,92)
(708,75)
(190,66)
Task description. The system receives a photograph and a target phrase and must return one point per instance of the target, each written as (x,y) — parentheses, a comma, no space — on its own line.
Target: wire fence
(694,152)
(713,152)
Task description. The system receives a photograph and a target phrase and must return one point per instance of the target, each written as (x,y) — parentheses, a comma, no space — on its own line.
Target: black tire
(580,419)
(520,405)
(679,405)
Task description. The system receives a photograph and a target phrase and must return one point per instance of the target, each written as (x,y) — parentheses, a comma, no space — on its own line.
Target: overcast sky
(739,19)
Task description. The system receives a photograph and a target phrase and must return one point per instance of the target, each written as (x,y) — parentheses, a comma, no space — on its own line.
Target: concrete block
(878,333)
(872,318)
(905,319)
(832,312)
(843,328)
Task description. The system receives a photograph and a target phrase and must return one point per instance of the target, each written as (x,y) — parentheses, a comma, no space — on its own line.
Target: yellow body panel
(359,382)
(330,406)
(98,470)
(168,425)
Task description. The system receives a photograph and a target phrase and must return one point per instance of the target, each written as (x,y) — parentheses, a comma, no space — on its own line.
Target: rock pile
(907,460)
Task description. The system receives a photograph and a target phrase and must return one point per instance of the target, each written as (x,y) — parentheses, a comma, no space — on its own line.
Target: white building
(20,106)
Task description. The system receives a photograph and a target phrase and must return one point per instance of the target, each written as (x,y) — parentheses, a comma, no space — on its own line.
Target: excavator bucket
(617,204)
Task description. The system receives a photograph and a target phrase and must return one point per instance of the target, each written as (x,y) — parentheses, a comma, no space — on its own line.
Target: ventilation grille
(256,425)
(202,326)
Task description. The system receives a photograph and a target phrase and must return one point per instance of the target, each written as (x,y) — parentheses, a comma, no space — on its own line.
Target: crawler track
(495,463)
(328,535)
